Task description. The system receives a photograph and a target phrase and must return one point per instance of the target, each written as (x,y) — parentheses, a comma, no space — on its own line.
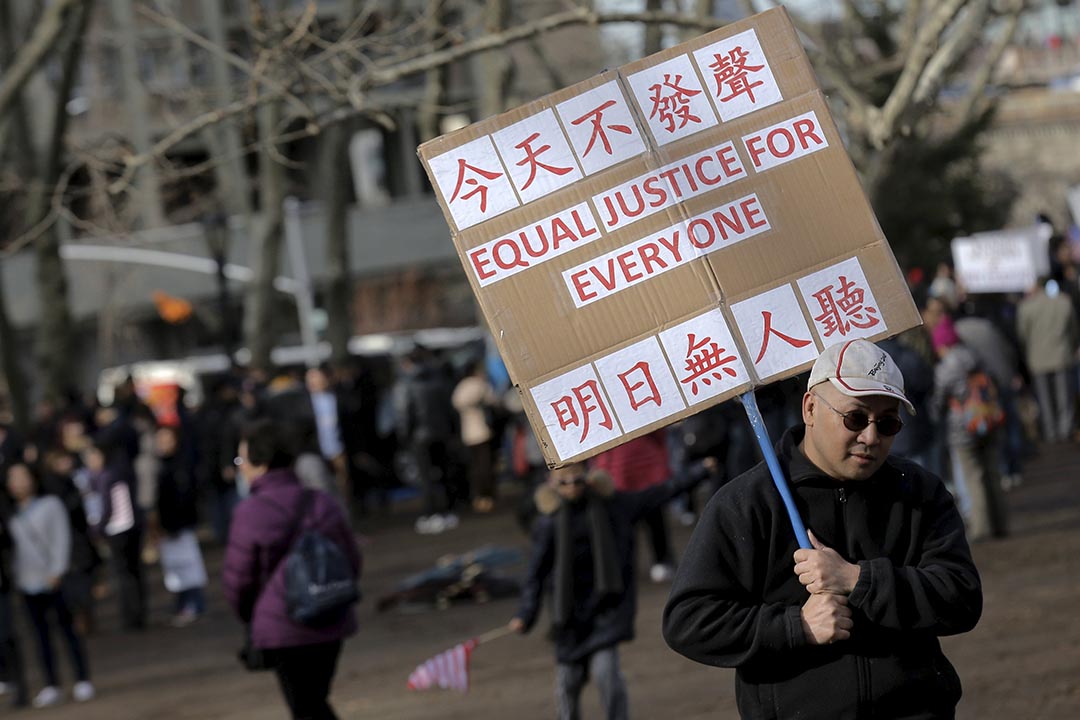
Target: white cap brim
(862,387)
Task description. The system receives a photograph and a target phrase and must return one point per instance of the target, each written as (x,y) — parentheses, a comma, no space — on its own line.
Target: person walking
(966,407)
(176,519)
(42,534)
(264,527)
(121,524)
(584,543)
(425,428)
(475,400)
(849,628)
(1047,327)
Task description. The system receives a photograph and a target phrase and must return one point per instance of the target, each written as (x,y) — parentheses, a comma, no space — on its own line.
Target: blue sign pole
(749,402)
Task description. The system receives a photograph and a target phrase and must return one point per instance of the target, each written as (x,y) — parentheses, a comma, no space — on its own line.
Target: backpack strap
(306,501)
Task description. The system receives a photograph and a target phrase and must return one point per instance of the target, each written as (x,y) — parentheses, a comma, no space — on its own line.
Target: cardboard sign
(661,237)
(1002,261)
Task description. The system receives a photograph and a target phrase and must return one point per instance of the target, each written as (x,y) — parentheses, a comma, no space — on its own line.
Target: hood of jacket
(548,500)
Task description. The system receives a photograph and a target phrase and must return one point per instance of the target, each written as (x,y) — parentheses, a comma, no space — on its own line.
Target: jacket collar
(274,478)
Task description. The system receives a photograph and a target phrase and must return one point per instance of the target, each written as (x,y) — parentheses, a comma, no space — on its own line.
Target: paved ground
(1023,660)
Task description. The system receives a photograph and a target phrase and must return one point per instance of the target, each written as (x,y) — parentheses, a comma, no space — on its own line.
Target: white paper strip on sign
(705,357)
(659,189)
(472,183)
(671,98)
(537,155)
(774,331)
(785,141)
(601,127)
(841,303)
(534,244)
(737,75)
(640,384)
(669,248)
(575,412)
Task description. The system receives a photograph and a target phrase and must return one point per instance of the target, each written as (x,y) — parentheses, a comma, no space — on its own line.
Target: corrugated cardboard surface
(817,215)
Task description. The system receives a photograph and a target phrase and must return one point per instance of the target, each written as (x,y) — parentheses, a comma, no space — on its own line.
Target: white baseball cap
(858,368)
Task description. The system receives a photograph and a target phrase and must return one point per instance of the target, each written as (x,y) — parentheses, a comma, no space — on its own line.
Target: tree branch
(974,102)
(957,44)
(46,33)
(882,123)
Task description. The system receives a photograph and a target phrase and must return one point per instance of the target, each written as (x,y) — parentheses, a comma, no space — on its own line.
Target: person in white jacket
(41,532)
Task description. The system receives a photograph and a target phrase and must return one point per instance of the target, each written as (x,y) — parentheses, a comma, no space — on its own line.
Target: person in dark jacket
(304,657)
(848,629)
(176,519)
(112,480)
(584,542)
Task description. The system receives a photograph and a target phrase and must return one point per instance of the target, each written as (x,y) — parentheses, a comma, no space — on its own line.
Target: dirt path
(1023,660)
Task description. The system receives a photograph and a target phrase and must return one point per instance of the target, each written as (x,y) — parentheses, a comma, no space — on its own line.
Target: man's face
(841,453)
(569,481)
(317,381)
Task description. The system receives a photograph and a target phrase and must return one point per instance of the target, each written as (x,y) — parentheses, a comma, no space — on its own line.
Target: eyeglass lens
(858,421)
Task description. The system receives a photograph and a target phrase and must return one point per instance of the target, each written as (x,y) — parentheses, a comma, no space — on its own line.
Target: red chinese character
(839,313)
(769,330)
(598,128)
(574,410)
(676,104)
(531,158)
(732,71)
(482,189)
(652,395)
(705,358)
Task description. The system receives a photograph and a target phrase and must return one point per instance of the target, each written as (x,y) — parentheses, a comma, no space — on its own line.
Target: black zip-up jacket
(736,600)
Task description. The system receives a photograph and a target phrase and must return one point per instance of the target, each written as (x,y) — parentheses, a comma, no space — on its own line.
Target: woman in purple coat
(304,657)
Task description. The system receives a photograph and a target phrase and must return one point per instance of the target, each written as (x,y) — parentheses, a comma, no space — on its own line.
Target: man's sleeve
(941,594)
(643,501)
(713,616)
(540,565)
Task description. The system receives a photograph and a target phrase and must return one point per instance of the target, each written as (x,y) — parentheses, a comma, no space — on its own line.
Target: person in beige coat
(473,398)
(1047,327)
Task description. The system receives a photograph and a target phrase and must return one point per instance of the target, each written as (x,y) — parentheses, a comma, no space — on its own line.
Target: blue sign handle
(749,402)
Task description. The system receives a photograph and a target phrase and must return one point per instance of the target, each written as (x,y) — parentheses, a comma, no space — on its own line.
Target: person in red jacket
(638,465)
(304,657)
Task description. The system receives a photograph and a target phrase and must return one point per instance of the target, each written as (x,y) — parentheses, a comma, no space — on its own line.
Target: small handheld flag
(448,670)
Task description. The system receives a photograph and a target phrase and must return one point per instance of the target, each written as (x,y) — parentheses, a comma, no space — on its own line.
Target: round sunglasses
(857,420)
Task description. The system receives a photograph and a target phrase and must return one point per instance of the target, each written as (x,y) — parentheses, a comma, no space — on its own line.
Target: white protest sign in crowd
(664,236)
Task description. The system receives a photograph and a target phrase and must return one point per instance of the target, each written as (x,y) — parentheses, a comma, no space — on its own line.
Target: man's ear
(809,405)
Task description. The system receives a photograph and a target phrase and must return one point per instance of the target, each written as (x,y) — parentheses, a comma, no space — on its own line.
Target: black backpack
(320,584)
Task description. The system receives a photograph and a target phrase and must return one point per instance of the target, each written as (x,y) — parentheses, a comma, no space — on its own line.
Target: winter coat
(42,536)
(638,464)
(1047,327)
(472,396)
(254,577)
(950,383)
(423,409)
(994,350)
(919,432)
(594,624)
(177,494)
(117,488)
(736,601)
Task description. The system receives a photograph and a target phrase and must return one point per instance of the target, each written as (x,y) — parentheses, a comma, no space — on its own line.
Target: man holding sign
(849,628)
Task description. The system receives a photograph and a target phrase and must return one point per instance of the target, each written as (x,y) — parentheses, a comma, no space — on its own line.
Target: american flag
(448,670)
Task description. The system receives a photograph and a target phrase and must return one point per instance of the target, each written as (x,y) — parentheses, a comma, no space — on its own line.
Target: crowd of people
(93,483)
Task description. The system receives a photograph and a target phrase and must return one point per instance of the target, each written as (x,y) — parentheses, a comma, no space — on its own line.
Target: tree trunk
(9,365)
(55,350)
(261,328)
(654,32)
(224,138)
(492,67)
(338,191)
(147,197)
